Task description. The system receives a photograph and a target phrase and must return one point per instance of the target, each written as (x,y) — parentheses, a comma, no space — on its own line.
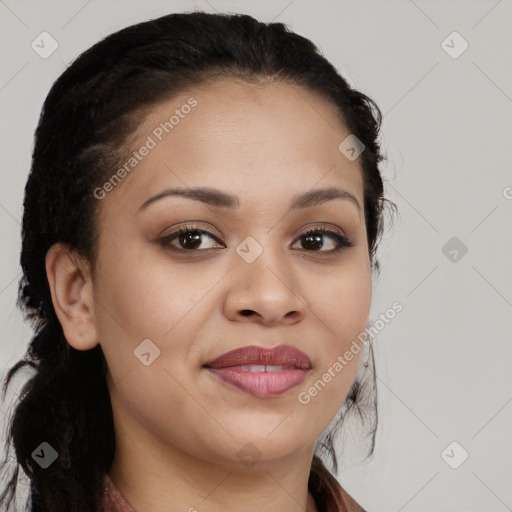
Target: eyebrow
(218,198)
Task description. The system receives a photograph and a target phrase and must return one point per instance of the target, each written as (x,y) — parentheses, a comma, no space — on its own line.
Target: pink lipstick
(262,372)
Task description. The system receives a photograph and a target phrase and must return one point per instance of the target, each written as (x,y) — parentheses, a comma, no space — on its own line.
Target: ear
(71,288)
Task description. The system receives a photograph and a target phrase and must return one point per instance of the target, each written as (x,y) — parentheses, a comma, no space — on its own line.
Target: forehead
(255,140)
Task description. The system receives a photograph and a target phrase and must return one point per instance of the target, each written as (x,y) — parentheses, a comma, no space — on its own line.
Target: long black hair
(82,136)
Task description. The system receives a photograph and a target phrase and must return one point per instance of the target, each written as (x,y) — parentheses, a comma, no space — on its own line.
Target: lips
(282,355)
(259,371)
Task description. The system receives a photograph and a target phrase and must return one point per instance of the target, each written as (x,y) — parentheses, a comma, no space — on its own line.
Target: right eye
(189,238)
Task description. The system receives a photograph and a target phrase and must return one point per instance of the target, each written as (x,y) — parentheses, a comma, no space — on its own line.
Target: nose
(264,292)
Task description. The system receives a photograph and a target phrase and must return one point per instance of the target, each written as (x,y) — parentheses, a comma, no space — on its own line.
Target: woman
(199,233)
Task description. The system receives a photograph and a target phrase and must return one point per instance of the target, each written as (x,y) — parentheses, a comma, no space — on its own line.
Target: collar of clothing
(113,501)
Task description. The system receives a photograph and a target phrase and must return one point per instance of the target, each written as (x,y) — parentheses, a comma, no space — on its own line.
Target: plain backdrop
(441,73)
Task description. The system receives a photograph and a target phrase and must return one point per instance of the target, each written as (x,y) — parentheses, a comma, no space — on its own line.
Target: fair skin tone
(178,428)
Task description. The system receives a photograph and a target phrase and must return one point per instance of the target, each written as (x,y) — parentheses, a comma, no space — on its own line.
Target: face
(256,272)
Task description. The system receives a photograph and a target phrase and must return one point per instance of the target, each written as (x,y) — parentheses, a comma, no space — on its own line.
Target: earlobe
(72,296)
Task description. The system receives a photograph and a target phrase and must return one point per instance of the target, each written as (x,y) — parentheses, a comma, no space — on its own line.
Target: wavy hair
(84,132)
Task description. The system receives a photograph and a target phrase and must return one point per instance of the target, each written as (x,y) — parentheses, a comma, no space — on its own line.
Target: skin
(179,428)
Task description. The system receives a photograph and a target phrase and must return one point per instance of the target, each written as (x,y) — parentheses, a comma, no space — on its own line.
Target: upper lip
(284,355)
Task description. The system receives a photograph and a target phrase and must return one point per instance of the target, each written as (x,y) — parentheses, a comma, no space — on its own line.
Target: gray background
(444,361)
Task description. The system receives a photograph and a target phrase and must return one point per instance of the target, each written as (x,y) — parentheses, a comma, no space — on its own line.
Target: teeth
(253,368)
(262,368)
(274,367)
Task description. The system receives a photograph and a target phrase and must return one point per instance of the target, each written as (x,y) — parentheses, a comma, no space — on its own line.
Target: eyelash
(343,241)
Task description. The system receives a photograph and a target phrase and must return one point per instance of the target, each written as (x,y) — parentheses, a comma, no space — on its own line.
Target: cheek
(341,310)
(151,304)
(341,303)
(140,300)
(350,306)
(146,298)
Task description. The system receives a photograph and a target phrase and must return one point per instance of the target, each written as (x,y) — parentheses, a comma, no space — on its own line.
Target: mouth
(261,372)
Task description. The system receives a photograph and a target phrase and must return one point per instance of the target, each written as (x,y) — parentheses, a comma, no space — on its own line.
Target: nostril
(246,312)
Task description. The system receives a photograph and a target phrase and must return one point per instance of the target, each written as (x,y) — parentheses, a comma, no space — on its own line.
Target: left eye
(313,238)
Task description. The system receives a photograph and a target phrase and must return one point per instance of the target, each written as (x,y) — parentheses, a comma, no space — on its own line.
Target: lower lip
(261,384)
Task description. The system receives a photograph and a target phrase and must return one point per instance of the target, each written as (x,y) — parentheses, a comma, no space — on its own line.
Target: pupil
(316,241)
(193,236)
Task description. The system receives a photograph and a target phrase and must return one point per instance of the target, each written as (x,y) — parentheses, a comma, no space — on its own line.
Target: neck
(156,477)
